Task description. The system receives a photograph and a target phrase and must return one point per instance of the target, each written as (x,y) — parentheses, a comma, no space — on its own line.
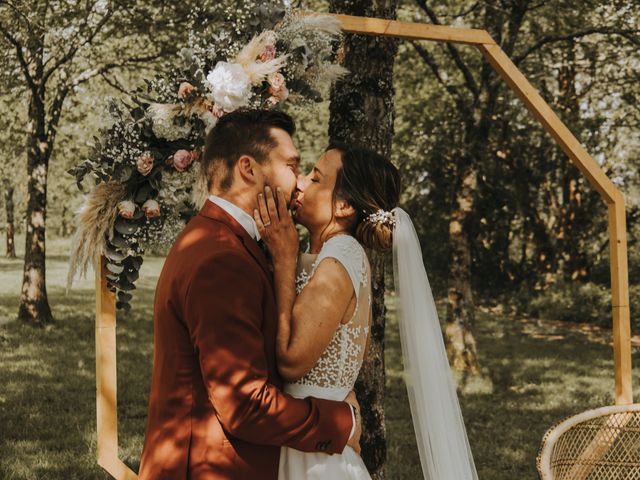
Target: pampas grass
(200,191)
(258,71)
(254,48)
(94,222)
(323,23)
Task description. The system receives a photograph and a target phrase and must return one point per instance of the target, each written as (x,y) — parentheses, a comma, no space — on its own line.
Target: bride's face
(314,201)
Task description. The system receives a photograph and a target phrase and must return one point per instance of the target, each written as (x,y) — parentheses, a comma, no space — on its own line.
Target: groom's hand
(354,440)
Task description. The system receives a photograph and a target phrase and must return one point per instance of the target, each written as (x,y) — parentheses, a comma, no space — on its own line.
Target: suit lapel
(213,211)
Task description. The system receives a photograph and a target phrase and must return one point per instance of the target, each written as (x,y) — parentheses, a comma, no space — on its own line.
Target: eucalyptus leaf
(124,296)
(113,254)
(118,241)
(117,269)
(126,286)
(126,306)
(125,226)
(132,275)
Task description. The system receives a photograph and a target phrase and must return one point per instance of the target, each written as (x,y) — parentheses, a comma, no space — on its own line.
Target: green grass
(535,373)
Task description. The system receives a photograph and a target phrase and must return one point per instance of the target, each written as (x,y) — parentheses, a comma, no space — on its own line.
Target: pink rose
(217,111)
(144,164)
(185,89)
(269,53)
(151,208)
(126,209)
(278,95)
(181,160)
(276,81)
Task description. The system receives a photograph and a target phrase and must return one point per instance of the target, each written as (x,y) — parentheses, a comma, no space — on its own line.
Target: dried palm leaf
(94,222)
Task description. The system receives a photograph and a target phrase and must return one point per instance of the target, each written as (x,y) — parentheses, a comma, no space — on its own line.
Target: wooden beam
(412,31)
(620,301)
(106,379)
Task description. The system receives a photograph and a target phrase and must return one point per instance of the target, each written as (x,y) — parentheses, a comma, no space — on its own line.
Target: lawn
(536,372)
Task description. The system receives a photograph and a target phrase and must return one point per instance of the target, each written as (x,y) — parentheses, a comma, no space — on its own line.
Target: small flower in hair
(382,216)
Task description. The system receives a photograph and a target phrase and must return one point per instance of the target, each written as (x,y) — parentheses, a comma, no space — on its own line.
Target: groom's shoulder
(204,236)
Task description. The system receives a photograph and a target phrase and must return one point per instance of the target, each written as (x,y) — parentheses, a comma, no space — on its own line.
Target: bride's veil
(437,420)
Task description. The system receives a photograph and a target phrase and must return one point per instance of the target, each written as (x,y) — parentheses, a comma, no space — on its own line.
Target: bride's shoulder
(344,244)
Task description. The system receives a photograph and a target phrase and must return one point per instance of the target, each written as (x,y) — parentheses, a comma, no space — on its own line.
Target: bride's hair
(369,182)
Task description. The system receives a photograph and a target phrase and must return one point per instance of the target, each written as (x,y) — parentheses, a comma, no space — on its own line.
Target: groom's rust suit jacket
(215,408)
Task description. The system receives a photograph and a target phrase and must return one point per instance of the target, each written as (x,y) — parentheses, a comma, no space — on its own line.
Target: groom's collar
(239,215)
(219,214)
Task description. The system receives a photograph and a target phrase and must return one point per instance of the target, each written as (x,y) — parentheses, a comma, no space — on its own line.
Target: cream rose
(278,95)
(126,209)
(276,81)
(229,85)
(144,164)
(151,208)
(185,89)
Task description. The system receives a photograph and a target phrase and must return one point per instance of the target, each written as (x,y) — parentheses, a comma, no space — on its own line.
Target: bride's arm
(314,319)
(306,323)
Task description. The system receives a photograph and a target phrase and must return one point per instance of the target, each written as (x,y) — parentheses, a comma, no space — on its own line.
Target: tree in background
(467,177)
(57,47)
(361,112)
(11,129)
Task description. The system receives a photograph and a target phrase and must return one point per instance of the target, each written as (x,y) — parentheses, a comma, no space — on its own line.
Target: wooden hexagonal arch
(106,400)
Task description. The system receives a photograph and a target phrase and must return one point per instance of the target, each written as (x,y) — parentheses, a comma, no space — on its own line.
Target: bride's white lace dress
(335,373)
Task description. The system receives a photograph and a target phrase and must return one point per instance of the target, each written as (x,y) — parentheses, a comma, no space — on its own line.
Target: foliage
(535,220)
(152,145)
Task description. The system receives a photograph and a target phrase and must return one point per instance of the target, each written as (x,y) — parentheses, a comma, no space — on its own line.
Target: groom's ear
(343,209)
(246,166)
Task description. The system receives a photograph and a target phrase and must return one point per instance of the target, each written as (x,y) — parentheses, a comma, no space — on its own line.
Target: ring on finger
(267,224)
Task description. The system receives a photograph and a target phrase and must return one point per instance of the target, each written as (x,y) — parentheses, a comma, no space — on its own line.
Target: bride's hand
(276,226)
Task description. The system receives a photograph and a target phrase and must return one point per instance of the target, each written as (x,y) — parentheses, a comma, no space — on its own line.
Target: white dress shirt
(240,216)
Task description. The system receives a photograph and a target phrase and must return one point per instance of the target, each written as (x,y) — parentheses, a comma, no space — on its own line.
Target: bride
(348,203)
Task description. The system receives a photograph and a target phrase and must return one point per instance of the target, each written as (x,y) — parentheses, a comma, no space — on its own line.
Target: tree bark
(362,112)
(461,344)
(9,206)
(34,305)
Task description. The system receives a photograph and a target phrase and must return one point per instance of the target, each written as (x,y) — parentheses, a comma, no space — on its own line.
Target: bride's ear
(343,209)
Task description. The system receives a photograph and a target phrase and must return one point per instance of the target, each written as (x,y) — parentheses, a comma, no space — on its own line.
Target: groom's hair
(243,132)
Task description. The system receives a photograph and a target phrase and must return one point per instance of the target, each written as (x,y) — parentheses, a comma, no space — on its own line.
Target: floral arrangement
(145,166)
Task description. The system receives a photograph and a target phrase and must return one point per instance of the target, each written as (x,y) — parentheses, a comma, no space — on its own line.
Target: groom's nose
(301,183)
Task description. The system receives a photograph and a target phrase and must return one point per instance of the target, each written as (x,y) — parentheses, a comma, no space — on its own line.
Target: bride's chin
(299,219)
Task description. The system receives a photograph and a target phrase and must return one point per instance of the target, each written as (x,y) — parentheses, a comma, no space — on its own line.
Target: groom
(216,411)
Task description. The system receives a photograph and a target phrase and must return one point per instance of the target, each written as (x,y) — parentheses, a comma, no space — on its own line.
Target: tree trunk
(9,205)
(362,112)
(34,305)
(461,344)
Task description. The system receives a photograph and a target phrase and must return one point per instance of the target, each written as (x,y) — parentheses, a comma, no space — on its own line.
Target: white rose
(230,85)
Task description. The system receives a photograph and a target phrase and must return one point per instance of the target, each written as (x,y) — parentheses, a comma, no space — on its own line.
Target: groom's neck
(244,200)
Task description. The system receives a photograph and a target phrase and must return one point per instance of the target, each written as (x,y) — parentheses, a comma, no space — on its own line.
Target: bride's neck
(317,239)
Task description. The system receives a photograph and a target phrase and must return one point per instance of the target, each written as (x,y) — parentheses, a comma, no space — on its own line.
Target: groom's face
(282,167)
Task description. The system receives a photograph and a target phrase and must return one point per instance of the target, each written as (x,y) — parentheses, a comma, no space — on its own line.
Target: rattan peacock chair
(600,444)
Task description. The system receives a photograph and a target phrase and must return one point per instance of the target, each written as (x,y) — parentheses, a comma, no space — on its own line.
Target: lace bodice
(340,363)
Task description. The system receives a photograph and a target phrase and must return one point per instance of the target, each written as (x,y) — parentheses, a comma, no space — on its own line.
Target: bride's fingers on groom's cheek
(282,204)
(262,207)
(256,217)
(271,203)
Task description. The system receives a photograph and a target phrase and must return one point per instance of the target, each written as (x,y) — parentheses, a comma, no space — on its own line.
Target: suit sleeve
(224,313)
